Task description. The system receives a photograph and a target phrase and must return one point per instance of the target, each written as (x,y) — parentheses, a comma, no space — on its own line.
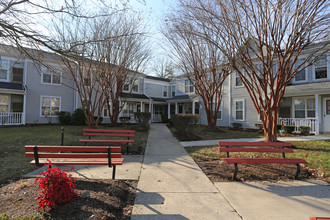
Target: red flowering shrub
(56,188)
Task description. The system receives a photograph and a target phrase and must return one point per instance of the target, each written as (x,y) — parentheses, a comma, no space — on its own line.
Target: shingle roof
(14,86)
(133,95)
(158,78)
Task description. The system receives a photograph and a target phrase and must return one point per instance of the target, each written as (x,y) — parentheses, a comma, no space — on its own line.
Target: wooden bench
(319,218)
(259,147)
(75,155)
(108,133)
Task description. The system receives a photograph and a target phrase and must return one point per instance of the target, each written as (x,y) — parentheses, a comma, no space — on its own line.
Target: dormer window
(4,67)
(188,86)
(173,91)
(164,91)
(301,75)
(321,68)
(135,85)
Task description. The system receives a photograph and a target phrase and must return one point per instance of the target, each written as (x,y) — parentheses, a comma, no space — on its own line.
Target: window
(165,91)
(239,110)
(16,103)
(301,75)
(173,91)
(4,66)
(126,86)
(321,68)
(135,85)
(50,76)
(106,111)
(17,75)
(188,86)
(219,112)
(238,81)
(50,106)
(304,107)
(260,71)
(128,109)
(4,103)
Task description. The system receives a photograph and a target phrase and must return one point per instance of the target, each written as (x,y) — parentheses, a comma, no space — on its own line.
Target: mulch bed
(97,199)
(218,171)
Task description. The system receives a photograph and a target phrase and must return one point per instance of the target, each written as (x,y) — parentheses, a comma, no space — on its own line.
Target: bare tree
(164,68)
(105,53)
(201,61)
(264,40)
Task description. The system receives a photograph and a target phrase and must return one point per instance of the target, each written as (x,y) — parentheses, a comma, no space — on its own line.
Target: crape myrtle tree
(202,62)
(264,39)
(105,53)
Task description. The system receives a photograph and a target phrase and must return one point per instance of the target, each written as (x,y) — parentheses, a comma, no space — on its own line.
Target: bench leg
(127,148)
(113,172)
(235,172)
(298,171)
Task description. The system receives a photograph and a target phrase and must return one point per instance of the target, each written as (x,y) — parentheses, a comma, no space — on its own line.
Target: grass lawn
(204,133)
(13,163)
(316,153)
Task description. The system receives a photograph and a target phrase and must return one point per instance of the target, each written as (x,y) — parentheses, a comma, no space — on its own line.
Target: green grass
(316,153)
(13,163)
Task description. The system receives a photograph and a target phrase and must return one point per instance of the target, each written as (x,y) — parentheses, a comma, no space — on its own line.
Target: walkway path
(172,186)
(285,139)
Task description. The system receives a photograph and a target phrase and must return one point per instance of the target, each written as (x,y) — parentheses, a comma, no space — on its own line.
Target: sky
(155,12)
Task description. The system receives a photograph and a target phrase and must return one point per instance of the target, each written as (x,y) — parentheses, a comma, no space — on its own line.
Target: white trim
(243,109)
(40,109)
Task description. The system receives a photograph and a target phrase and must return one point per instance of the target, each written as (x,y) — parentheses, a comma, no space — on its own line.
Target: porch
(12,108)
(297,122)
(11,118)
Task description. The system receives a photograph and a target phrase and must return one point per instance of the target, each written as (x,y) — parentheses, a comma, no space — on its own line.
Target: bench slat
(270,144)
(264,160)
(107,130)
(73,155)
(77,161)
(115,149)
(109,135)
(105,141)
(261,150)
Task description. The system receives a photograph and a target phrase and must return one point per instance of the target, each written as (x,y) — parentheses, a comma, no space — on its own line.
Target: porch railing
(297,122)
(11,118)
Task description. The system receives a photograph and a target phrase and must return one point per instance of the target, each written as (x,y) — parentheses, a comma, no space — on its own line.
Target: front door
(326,115)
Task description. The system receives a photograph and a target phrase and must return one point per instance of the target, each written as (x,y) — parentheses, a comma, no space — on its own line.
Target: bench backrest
(37,152)
(108,132)
(263,144)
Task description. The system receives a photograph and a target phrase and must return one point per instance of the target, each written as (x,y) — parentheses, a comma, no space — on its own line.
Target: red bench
(319,218)
(108,133)
(259,147)
(75,155)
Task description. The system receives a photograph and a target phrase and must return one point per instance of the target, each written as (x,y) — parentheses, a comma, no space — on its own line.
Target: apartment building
(31,93)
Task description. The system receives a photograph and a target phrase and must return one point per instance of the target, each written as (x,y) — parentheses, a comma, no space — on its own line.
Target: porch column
(317,124)
(24,110)
(193,107)
(168,110)
(151,111)
(141,110)
(176,108)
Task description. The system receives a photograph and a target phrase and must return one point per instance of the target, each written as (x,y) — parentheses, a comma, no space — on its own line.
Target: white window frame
(237,76)
(328,69)
(188,87)
(220,110)
(306,72)
(173,90)
(305,109)
(7,69)
(59,109)
(243,109)
(45,70)
(105,107)
(165,90)
(137,83)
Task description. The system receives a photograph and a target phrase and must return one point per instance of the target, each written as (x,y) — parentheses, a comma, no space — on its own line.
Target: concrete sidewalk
(172,186)
(285,139)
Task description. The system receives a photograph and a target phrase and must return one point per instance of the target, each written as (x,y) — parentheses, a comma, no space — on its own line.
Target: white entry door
(326,115)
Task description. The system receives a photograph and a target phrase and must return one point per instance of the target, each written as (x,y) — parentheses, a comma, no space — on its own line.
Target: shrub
(143,118)
(165,118)
(236,126)
(288,129)
(304,130)
(64,118)
(184,122)
(78,117)
(56,188)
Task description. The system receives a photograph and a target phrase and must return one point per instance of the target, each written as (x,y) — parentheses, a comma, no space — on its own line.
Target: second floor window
(321,68)
(135,85)
(51,77)
(188,86)
(301,75)
(164,91)
(238,81)
(4,66)
(173,91)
